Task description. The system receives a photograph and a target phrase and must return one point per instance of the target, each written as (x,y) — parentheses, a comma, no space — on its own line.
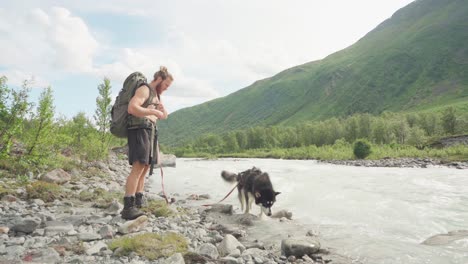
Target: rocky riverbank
(73,217)
(401,163)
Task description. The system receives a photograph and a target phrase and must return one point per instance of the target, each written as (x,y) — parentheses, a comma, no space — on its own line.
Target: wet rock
(57,176)
(444,239)
(299,246)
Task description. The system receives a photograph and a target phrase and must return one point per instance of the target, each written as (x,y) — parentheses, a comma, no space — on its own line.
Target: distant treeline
(412,129)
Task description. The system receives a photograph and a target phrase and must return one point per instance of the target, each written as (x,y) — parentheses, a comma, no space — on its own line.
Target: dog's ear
(276,193)
(257,195)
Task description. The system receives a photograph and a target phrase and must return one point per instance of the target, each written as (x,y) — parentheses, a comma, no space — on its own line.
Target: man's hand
(153,117)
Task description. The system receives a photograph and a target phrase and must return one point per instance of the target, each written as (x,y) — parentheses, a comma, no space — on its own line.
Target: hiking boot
(139,200)
(130,212)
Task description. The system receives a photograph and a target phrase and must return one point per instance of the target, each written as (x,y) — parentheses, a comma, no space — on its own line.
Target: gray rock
(88,237)
(56,227)
(15,241)
(208,250)
(14,251)
(134,225)
(96,248)
(228,245)
(114,208)
(44,255)
(221,208)
(282,213)
(57,176)
(27,225)
(175,259)
(299,247)
(228,260)
(106,232)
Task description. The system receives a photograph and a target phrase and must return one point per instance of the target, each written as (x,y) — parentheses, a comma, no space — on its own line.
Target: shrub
(362,148)
(158,208)
(150,245)
(45,191)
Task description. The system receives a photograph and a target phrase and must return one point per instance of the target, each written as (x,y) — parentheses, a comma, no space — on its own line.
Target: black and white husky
(253,185)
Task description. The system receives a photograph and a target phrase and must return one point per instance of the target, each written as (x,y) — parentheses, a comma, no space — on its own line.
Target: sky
(211,47)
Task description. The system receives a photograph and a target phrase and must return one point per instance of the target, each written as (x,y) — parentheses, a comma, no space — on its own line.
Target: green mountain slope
(416,59)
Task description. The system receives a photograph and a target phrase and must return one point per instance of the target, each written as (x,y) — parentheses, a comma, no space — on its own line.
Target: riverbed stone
(27,225)
(229,244)
(57,176)
(221,208)
(208,250)
(299,247)
(175,259)
(133,225)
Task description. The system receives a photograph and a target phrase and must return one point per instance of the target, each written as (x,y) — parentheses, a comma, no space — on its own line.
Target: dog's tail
(229,176)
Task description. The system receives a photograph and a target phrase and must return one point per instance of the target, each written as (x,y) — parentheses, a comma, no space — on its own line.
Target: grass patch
(150,245)
(101,197)
(158,208)
(45,191)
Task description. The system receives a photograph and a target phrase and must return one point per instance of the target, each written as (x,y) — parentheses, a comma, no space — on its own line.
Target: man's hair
(163,73)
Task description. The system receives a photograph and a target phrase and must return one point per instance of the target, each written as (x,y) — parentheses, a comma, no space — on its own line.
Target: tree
(362,149)
(13,109)
(102,114)
(449,120)
(41,124)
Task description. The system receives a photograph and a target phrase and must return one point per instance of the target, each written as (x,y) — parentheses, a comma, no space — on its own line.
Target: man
(145,108)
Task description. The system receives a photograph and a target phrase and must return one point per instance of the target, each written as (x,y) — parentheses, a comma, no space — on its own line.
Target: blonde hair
(163,73)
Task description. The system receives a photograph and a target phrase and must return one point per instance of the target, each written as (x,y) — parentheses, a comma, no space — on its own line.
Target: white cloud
(46,42)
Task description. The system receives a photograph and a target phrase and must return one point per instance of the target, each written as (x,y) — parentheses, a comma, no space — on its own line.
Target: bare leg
(141,180)
(133,178)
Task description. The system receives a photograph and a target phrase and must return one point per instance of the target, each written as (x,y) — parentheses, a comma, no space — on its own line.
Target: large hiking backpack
(119,112)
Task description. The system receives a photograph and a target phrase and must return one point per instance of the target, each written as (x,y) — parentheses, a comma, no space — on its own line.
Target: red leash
(223,198)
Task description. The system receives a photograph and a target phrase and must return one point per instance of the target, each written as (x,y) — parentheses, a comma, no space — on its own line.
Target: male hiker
(144,108)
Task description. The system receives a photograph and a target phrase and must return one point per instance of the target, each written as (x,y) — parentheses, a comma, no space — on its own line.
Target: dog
(253,185)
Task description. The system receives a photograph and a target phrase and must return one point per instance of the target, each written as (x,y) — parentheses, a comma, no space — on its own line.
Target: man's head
(162,79)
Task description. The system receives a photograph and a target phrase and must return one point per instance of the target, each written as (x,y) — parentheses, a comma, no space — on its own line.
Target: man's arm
(163,110)
(135,107)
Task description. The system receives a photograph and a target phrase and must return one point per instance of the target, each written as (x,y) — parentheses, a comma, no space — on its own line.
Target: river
(372,215)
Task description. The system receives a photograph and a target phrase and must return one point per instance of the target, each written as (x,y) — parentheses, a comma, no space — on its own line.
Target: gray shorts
(139,146)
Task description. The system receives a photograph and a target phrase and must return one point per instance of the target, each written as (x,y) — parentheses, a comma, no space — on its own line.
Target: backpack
(119,112)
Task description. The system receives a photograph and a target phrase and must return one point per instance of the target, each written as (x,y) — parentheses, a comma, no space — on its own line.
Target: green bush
(362,149)
(150,245)
(45,191)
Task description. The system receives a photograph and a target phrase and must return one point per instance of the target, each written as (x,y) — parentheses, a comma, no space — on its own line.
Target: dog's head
(265,199)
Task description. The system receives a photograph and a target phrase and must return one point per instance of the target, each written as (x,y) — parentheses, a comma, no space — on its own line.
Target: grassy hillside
(415,60)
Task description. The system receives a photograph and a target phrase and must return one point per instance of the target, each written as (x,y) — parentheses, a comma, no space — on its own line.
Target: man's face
(162,86)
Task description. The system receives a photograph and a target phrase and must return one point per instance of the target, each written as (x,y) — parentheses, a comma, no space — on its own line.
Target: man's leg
(141,188)
(136,175)
(129,211)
